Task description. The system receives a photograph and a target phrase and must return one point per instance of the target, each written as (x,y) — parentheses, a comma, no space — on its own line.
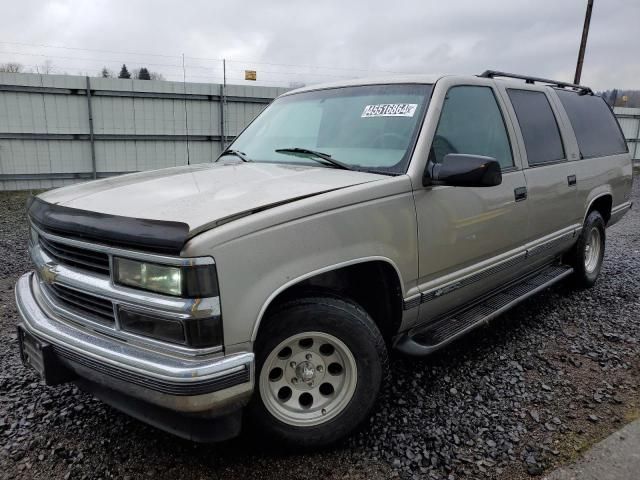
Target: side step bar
(426,339)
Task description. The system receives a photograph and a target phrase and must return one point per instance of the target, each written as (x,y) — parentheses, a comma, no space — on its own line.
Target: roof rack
(582,90)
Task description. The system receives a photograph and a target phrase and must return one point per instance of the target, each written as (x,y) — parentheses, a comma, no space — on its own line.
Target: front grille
(95,308)
(75,256)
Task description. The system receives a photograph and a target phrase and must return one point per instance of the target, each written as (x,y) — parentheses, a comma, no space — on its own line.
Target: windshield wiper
(315,155)
(237,153)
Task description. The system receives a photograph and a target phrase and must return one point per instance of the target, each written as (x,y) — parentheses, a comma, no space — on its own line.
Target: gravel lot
(512,400)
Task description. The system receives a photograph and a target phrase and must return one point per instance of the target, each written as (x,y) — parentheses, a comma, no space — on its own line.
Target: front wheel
(320,364)
(588,252)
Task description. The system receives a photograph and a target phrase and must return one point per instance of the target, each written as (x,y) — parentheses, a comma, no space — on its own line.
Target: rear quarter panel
(597,176)
(601,176)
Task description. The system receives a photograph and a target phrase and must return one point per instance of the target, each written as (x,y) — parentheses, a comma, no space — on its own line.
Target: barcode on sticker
(390,110)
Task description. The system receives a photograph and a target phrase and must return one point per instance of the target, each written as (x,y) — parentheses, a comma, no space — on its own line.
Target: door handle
(520,193)
(572,180)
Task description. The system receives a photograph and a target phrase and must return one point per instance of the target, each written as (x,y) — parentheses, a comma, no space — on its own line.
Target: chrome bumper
(211,385)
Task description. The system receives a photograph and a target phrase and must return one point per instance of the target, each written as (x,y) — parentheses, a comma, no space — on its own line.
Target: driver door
(467,235)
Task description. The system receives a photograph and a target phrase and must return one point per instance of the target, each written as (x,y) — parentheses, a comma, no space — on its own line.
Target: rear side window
(538,126)
(596,128)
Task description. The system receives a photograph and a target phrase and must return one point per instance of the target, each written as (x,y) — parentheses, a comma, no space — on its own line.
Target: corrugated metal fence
(629,119)
(59,129)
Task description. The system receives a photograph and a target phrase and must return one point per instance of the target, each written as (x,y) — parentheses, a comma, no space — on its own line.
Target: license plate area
(40,356)
(31,351)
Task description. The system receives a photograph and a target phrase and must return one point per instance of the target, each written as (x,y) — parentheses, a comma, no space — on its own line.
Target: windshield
(365,128)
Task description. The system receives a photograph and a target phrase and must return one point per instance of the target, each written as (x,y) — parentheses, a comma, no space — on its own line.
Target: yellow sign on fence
(250,75)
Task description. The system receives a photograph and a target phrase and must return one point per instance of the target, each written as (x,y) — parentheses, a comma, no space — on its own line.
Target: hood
(204,195)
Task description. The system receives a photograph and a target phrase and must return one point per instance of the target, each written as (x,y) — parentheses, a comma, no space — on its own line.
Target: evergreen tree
(143,74)
(105,73)
(124,73)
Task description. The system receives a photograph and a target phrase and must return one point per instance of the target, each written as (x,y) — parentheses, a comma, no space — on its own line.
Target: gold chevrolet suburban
(345,221)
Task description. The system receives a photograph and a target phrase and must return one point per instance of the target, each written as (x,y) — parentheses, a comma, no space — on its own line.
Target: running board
(426,339)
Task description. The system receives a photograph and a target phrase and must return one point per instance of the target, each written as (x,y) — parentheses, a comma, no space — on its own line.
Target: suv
(346,220)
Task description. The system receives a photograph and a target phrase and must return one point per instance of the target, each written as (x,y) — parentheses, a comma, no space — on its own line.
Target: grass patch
(632,415)
(572,446)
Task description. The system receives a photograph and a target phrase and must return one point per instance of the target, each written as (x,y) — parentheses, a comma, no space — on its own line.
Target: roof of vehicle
(432,78)
(419,78)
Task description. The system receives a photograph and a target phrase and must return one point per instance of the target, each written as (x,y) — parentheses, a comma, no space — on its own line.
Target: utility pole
(224,72)
(583,42)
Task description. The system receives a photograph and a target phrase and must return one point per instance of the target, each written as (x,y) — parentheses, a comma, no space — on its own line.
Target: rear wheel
(588,253)
(320,364)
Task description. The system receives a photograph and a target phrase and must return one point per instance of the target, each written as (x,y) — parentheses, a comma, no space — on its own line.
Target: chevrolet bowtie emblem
(48,273)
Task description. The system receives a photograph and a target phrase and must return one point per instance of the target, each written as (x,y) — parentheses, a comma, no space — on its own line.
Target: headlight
(186,281)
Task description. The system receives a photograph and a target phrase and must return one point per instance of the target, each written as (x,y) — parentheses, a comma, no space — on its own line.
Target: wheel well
(603,205)
(374,285)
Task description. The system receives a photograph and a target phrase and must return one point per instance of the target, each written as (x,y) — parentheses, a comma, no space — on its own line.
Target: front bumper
(207,386)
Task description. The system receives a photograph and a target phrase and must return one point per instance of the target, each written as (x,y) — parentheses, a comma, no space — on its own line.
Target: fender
(313,273)
(595,194)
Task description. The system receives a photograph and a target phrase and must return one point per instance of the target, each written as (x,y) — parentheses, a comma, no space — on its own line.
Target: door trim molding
(526,252)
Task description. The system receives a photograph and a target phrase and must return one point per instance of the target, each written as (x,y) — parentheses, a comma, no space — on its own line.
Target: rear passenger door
(550,177)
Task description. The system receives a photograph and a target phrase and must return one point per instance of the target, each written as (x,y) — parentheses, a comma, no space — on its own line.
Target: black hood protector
(155,236)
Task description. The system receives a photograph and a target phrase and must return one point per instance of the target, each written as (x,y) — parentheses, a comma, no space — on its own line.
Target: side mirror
(461,170)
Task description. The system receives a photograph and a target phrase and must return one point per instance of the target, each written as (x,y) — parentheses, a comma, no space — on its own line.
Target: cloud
(356,38)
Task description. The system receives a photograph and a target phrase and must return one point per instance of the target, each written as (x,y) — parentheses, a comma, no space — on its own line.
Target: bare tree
(106,73)
(46,67)
(156,76)
(11,67)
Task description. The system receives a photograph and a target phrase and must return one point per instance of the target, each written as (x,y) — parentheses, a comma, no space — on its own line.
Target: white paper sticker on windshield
(390,110)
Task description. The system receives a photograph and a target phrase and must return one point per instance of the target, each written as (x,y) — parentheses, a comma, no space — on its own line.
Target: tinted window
(471,123)
(593,123)
(538,126)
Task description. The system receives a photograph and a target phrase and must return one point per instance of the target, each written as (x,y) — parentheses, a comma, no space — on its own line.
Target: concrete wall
(45,127)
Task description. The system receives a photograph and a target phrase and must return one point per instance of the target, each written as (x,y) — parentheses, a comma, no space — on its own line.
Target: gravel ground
(512,400)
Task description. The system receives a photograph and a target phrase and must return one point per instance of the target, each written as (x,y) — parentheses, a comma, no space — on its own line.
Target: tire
(588,252)
(302,342)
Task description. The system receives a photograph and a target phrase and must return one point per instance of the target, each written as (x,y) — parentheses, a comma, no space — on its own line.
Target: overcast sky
(280,38)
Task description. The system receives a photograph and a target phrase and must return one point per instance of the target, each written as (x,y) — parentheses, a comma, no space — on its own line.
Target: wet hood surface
(204,195)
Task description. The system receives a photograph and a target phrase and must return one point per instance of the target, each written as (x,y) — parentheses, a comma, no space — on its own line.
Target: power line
(288,72)
(307,73)
(176,66)
(88,49)
(98,61)
(255,62)
(215,59)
